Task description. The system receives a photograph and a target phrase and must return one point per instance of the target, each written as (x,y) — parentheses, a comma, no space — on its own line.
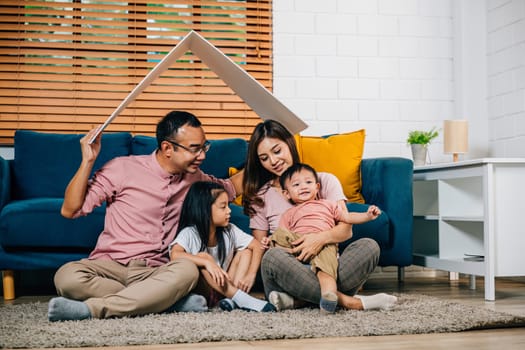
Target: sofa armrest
(5,182)
(387,183)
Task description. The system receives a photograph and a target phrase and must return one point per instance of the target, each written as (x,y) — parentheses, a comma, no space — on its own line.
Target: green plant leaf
(422,137)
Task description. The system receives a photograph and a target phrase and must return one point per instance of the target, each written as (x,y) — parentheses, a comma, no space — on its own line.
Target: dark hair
(196,212)
(255,175)
(294,169)
(168,127)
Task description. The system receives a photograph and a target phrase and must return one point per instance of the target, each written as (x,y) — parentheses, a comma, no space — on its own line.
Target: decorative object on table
(419,141)
(455,137)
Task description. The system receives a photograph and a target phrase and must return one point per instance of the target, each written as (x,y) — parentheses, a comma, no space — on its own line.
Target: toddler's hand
(373,212)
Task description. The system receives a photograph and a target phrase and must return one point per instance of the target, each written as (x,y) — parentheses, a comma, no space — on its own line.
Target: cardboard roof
(244,85)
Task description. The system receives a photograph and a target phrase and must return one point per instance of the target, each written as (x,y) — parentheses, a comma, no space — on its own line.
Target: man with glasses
(129,273)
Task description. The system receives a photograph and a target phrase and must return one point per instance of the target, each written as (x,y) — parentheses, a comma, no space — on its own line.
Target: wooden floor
(510,298)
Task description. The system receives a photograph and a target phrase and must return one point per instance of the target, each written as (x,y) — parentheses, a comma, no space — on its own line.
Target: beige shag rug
(26,325)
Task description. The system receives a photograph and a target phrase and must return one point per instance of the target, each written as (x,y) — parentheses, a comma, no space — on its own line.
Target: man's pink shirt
(143,207)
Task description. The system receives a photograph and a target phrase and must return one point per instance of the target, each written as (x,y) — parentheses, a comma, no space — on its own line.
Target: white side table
(469,217)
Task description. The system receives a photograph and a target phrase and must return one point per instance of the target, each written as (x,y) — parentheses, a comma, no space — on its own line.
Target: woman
(288,280)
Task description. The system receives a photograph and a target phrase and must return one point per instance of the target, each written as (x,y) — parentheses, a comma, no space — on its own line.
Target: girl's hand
(246,283)
(307,246)
(217,273)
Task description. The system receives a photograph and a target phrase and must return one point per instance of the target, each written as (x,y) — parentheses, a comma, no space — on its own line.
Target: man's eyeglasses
(195,150)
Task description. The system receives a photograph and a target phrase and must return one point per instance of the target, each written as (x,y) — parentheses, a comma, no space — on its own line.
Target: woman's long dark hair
(196,212)
(255,175)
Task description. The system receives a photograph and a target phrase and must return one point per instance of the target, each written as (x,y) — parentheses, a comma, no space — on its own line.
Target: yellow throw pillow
(232,171)
(340,155)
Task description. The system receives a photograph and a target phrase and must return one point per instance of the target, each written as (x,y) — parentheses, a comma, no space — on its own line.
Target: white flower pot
(419,154)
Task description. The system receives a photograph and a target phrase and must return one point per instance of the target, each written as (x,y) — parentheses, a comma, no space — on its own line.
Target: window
(65,65)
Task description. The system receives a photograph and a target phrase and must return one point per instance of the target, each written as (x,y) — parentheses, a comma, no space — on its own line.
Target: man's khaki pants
(111,289)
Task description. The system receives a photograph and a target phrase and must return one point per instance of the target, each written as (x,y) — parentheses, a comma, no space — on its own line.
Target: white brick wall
(383,65)
(391,66)
(506,77)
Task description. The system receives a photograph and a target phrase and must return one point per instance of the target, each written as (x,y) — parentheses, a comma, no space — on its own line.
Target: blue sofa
(34,236)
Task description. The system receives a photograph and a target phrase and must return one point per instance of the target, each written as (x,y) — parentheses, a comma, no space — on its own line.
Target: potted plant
(419,141)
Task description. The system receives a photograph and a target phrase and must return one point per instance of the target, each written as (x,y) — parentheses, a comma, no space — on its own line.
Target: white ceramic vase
(419,154)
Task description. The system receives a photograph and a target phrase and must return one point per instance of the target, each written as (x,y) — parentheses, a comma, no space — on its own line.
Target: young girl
(226,256)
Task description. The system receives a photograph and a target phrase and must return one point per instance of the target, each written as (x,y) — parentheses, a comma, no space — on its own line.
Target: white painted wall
(470,73)
(391,66)
(506,77)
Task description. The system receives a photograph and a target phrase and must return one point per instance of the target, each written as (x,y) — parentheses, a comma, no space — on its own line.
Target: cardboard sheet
(244,85)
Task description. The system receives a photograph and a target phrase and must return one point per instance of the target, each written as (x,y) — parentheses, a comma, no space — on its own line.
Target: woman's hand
(308,246)
(262,237)
(265,243)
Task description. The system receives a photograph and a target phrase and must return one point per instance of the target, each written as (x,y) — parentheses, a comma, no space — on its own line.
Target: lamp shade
(455,136)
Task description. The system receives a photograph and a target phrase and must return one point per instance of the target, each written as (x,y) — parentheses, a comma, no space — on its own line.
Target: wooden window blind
(65,65)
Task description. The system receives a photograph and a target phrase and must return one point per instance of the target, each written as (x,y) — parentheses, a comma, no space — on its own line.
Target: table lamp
(455,137)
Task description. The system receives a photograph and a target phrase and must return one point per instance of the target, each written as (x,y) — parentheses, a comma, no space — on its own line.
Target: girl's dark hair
(196,212)
(168,127)
(294,169)
(255,175)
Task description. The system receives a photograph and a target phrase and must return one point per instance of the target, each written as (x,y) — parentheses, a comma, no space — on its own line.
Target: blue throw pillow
(143,145)
(45,163)
(222,155)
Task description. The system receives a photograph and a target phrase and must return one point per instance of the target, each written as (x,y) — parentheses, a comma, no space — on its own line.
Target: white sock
(381,301)
(281,300)
(246,301)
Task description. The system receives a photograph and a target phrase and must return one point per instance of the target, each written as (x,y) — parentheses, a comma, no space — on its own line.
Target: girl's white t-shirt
(188,238)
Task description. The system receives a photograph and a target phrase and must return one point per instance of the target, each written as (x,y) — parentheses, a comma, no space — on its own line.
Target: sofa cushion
(238,218)
(222,155)
(5,181)
(45,163)
(37,223)
(326,154)
(143,144)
